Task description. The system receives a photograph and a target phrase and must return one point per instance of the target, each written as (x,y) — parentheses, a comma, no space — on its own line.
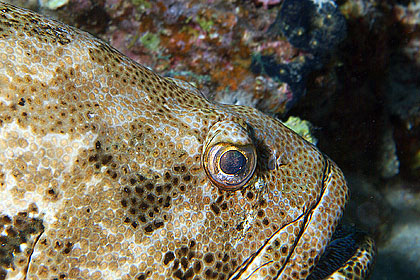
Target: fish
(111,171)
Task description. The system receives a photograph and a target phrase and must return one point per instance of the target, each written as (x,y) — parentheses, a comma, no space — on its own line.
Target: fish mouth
(273,254)
(283,252)
(348,248)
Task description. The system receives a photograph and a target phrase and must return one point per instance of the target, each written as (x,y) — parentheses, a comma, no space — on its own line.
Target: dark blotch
(106,159)
(209,258)
(93,158)
(158,224)
(197,266)
(189,274)
(148,228)
(139,190)
(169,256)
(22,102)
(178,274)
(184,262)
(142,218)
(215,208)
(143,206)
(250,195)
(150,197)
(176,264)
(183,250)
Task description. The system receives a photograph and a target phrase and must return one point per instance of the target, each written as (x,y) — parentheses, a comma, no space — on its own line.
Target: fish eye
(230,166)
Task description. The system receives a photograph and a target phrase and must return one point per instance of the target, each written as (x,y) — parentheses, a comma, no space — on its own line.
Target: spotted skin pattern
(101,172)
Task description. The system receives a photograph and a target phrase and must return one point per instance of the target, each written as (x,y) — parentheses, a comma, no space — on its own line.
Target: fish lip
(262,257)
(243,267)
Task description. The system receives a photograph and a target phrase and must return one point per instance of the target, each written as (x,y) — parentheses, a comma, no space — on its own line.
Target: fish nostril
(271,165)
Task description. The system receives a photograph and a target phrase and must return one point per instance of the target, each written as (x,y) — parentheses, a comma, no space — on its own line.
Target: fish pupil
(232,162)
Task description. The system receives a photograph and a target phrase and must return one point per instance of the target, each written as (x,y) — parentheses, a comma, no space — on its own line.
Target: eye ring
(229,166)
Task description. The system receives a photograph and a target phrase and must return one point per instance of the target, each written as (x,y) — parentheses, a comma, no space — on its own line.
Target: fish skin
(102,173)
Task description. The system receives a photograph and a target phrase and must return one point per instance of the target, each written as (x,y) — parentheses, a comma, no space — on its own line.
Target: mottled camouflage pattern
(102,173)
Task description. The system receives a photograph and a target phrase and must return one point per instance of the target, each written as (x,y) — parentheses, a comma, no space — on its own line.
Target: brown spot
(209,258)
(169,256)
(215,208)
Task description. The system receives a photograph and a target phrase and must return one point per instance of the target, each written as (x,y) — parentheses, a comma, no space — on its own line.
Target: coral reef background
(350,68)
